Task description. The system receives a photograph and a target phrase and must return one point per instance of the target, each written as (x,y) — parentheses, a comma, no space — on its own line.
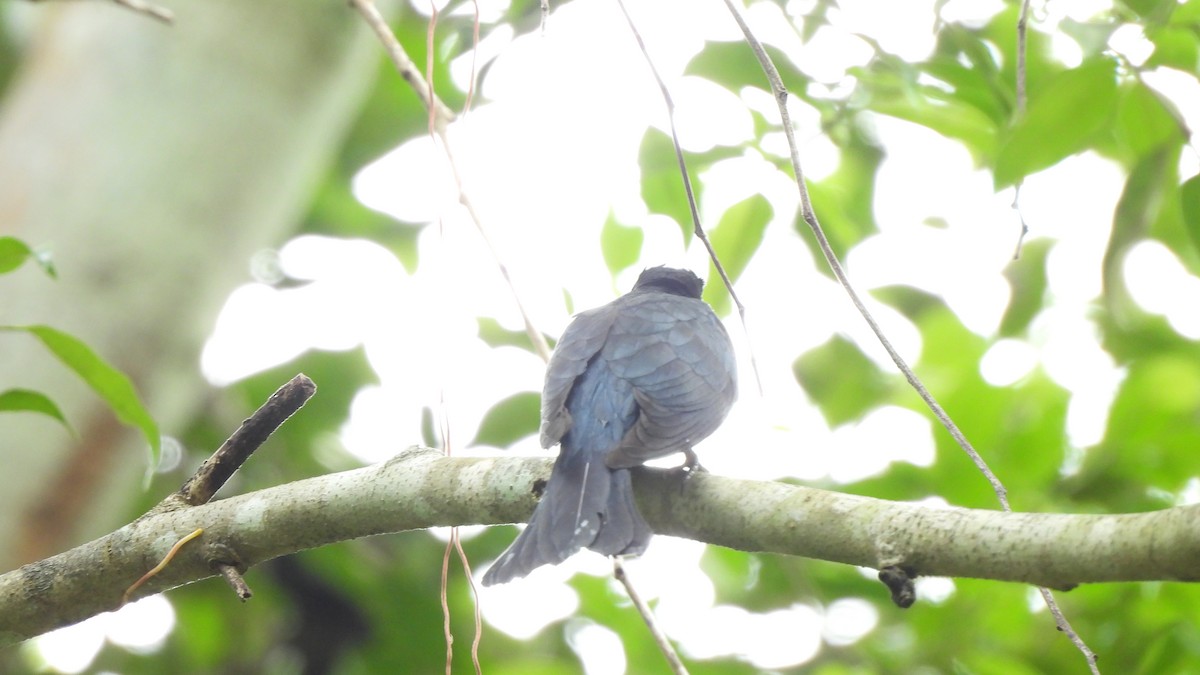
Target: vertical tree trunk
(154,160)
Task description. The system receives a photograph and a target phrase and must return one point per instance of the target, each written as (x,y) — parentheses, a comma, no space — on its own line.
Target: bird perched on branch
(647,375)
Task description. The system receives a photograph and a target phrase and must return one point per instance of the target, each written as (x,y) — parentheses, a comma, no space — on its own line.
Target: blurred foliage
(510,420)
(735,239)
(622,245)
(374,604)
(842,381)
(107,382)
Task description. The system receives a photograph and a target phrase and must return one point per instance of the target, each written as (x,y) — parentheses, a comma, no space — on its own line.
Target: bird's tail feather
(585,504)
(624,531)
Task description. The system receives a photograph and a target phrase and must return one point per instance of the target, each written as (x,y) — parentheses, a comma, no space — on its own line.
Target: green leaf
(965,113)
(1027,277)
(843,382)
(1143,121)
(734,66)
(662,184)
(844,199)
(510,420)
(14,253)
(25,400)
(1150,186)
(1091,36)
(735,240)
(947,116)
(1174,47)
(109,383)
(1060,121)
(975,83)
(1041,61)
(1151,434)
(336,212)
(1151,11)
(620,245)
(495,335)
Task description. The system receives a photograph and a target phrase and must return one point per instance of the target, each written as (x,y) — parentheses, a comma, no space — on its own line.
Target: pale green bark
(421,489)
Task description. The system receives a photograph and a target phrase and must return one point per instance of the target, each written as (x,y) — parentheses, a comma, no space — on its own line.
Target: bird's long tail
(585,504)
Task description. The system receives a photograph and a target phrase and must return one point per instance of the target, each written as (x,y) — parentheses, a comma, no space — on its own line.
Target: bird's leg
(691,463)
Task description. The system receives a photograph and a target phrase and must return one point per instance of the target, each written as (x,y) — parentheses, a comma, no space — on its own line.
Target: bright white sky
(554,148)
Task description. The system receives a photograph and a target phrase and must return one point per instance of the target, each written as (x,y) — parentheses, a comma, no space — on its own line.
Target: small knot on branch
(900,582)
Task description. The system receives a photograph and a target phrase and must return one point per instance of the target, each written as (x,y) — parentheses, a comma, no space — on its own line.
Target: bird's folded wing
(578,345)
(677,355)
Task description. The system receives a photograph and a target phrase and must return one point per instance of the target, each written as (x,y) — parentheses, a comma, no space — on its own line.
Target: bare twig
(474,59)
(535,335)
(810,217)
(228,458)
(478,638)
(217,469)
(430,50)
(660,638)
(153,11)
(1016,207)
(444,598)
(1060,620)
(438,123)
(455,544)
(697,228)
(404,64)
(1022,102)
(234,578)
(1022,34)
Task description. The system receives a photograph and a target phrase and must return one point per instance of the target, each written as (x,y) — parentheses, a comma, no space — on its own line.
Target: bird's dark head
(670,280)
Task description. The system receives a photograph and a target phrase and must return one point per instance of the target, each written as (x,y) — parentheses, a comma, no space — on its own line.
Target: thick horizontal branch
(421,489)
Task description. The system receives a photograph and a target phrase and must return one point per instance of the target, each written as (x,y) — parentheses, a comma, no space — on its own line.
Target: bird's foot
(691,464)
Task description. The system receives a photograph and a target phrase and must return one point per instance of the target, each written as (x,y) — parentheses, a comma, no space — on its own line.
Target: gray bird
(647,375)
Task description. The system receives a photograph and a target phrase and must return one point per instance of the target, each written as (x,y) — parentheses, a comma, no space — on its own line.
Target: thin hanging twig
(780,93)
(403,63)
(474,60)
(1022,101)
(441,120)
(455,543)
(478,637)
(1064,626)
(440,116)
(1060,619)
(697,227)
(1022,36)
(430,31)
(444,585)
(660,638)
(810,217)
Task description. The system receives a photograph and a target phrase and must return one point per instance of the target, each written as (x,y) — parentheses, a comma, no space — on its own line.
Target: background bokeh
(253,193)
